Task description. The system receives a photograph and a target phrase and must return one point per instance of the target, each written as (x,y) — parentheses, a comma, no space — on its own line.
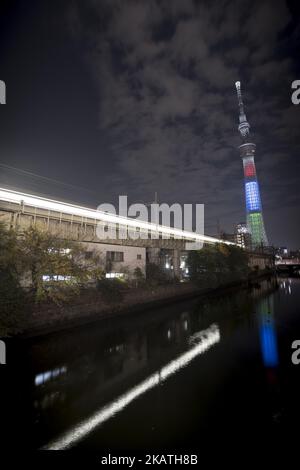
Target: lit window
(55,277)
(114,275)
(62,251)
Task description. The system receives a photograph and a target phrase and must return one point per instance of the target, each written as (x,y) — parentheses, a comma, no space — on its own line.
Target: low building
(119,261)
(261,261)
(282,252)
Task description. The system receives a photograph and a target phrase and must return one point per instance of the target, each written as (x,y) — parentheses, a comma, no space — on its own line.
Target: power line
(44,178)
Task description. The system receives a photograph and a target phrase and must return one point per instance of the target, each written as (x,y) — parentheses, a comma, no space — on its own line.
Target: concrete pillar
(176,263)
(153,255)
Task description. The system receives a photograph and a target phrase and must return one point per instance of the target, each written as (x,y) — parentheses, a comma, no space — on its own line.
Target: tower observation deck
(255,222)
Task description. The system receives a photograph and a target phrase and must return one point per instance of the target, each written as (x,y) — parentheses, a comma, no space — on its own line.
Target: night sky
(131,97)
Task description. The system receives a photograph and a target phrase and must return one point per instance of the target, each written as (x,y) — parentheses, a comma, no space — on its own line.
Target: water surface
(163,378)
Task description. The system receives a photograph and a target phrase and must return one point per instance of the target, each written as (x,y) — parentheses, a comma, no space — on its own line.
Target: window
(62,251)
(114,275)
(56,277)
(115,256)
(138,256)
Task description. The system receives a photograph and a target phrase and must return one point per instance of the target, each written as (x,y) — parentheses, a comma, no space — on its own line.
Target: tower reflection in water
(267,332)
(270,357)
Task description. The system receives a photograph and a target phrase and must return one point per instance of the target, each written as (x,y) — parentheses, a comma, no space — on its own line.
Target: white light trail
(61,207)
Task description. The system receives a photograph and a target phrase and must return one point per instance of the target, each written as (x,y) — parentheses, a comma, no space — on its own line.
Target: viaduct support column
(176,263)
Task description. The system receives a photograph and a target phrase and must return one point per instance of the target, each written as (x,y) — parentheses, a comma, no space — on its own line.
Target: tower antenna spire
(244,126)
(240,100)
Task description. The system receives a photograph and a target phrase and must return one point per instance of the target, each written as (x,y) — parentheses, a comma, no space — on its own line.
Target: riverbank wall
(90,307)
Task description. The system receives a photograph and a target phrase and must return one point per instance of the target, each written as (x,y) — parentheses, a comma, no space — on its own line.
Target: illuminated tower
(255,222)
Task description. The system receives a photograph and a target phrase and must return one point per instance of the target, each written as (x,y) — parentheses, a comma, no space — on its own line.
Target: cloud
(165,73)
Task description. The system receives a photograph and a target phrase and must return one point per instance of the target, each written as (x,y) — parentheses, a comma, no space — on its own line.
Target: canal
(161,379)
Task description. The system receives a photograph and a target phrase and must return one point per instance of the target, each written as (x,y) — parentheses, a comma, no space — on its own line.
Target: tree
(205,266)
(217,264)
(9,250)
(238,262)
(12,296)
(139,277)
(57,267)
(156,275)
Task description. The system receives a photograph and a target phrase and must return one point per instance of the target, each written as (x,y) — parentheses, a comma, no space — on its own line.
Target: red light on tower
(249,169)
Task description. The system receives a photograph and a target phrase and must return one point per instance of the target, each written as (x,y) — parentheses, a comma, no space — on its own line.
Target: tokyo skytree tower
(255,221)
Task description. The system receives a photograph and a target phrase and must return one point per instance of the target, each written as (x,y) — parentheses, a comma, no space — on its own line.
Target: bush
(112,290)
(155,275)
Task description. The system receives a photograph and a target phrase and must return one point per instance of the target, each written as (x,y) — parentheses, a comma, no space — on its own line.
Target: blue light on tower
(252,196)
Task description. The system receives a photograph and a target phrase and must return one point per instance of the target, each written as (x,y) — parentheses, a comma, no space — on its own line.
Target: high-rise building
(255,222)
(242,235)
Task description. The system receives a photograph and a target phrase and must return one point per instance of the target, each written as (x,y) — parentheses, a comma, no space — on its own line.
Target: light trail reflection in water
(205,339)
